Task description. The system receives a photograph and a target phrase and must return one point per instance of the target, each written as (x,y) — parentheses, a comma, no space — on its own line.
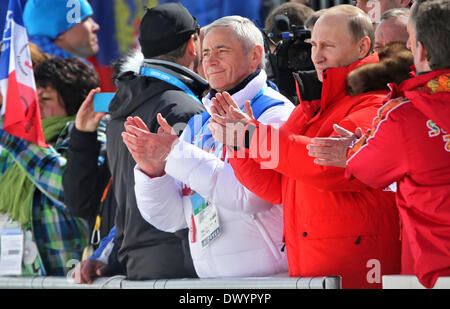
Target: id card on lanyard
(205,219)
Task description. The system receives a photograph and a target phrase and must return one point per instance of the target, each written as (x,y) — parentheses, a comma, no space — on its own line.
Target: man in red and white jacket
(332,226)
(409,144)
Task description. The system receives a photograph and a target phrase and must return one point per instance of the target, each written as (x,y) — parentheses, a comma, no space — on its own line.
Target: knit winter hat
(50,18)
(164,28)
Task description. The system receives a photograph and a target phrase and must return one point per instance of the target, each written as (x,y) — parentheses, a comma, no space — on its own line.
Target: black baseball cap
(164,28)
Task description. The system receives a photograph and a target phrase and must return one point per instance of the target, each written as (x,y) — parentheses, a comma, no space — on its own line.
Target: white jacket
(251,241)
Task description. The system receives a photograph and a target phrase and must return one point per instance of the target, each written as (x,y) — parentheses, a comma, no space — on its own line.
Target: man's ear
(191,46)
(364,47)
(404,3)
(256,56)
(421,52)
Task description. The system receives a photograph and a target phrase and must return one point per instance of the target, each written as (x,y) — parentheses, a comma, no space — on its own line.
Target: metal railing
(411,282)
(120,282)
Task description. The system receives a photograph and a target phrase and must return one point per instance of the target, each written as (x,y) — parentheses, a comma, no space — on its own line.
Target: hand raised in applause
(149,150)
(228,122)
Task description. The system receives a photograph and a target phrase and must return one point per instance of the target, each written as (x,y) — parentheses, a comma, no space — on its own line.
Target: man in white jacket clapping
(188,182)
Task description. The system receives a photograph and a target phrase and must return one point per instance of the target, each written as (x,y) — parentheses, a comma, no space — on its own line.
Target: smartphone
(102,100)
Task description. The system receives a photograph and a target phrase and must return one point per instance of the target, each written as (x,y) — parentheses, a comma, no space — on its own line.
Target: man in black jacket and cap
(165,83)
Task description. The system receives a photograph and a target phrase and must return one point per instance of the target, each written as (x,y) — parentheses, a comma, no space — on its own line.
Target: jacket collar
(240,86)
(197,84)
(247,93)
(134,61)
(430,94)
(414,83)
(134,89)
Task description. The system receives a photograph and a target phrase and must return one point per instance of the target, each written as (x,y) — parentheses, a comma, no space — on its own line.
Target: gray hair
(393,13)
(245,31)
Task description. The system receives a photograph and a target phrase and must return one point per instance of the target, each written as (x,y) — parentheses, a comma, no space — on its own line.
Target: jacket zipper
(266,237)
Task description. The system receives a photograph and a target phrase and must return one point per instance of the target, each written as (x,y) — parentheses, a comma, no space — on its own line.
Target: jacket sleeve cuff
(139,173)
(246,139)
(245,142)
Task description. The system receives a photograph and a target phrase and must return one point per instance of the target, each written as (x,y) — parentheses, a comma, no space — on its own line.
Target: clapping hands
(228,122)
(149,150)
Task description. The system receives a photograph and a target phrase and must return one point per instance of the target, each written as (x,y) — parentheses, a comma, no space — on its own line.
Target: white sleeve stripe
(378,126)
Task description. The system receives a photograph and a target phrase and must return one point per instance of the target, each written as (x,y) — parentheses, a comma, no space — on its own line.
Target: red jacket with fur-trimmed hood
(332,226)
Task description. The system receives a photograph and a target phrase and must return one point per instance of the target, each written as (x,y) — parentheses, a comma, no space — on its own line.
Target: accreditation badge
(18,251)
(206,223)
(11,251)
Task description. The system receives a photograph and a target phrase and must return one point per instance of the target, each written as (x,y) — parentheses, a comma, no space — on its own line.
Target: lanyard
(169,79)
(95,238)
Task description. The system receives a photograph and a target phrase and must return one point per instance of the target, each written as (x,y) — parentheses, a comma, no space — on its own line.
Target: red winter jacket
(332,226)
(410,144)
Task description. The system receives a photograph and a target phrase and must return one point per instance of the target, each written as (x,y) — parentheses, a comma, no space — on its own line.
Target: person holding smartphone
(86,179)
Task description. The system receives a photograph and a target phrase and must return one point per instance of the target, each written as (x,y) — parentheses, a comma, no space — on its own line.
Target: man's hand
(87,120)
(87,271)
(149,150)
(228,122)
(332,151)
